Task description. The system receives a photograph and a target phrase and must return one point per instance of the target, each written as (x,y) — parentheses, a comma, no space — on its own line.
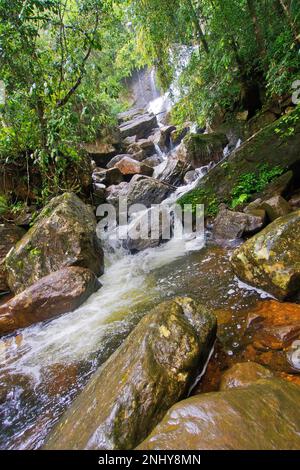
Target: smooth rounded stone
(262,416)
(173,173)
(190,177)
(131,392)
(10,234)
(108,177)
(147,191)
(244,374)
(64,234)
(274,325)
(231,225)
(153,161)
(55,294)
(271,259)
(276,207)
(201,149)
(140,126)
(129,166)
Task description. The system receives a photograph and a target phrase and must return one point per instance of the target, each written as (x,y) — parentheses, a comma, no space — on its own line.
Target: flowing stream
(45,366)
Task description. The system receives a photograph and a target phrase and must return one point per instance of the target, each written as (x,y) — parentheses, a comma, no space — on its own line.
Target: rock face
(266,146)
(64,234)
(263,416)
(9,235)
(174,172)
(271,259)
(140,126)
(55,294)
(201,149)
(153,368)
(128,166)
(147,191)
(231,225)
(244,374)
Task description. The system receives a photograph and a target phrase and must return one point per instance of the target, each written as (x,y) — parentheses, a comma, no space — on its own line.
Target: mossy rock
(272,147)
(131,392)
(201,149)
(64,234)
(271,259)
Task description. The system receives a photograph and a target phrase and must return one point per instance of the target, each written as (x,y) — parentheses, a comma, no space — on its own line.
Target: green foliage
(3,205)
(251,183)
(286,126)
(198,196)
(63,62)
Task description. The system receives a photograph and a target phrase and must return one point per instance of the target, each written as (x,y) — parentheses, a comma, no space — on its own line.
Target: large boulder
(129,166)
(174,172)
(64,234)
(116,192)
(10,234)
(55,294)
(271,259)
(268,146)
(201,149)
(230,225)
(140,126)
(108,177)
(131,392)
(276,207)
(263,416)
(147,191)
(145,145)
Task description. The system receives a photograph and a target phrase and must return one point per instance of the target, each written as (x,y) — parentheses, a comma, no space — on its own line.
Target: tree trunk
(291,22)
(200,35)
(257,29)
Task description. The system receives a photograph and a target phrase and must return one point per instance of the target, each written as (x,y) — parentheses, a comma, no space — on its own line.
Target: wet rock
(108,177)
(153,161)
(140,126)
(131,392)
(201,149)
(58,293)
(147,191)
(263,416)
(152,228)
(265,146)
(10,234)
(174,172)
(64,234)
(276,207)
(178,134)
(244,374)
(231,225)
(274,325)
(190,176)
(271,259)
(146,146)
(99,193)
(129,166)
(116,192)
(294,202)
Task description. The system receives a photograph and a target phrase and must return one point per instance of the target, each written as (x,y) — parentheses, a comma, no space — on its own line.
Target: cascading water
(43,367)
